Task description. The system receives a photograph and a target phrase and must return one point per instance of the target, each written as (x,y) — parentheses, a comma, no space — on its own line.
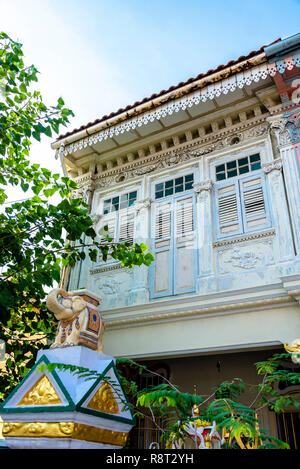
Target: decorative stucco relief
(113,287)
(167,159)
(109,286)
(245,256)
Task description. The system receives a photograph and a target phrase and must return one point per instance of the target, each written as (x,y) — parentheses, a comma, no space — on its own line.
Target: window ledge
(245,237)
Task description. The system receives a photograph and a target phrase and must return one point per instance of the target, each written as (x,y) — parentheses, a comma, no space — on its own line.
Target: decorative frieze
(166,160)
(107,267)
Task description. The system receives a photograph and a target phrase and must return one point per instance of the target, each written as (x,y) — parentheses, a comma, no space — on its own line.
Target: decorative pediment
(41,393)
(104,400)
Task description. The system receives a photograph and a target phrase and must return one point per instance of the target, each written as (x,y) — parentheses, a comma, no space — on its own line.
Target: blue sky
(102,55)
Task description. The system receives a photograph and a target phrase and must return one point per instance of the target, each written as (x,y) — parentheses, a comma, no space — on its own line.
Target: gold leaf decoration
(63,430)
(104,400)
(41,393)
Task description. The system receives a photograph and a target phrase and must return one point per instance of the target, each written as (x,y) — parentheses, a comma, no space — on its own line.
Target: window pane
(179,189)
(159,187)
(244,169)
(220,176)
(188,186)
(220,168)
(131,202)
(231,165)
(169,183)
(189,178)
(178,181)
(124,204)
(159,194)
(115,200)
(124,197)
(106,206)
(132,195)
(115,207)
(232,173)
(169,191)
(254,158)
(255,166)
(242,162)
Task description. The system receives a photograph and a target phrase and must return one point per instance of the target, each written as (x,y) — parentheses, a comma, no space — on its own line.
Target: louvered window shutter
(229,218)
(162,267)
(184,246)
(126,228)
(112,224)
(254,203)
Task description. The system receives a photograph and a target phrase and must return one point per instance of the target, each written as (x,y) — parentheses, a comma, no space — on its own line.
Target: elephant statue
(79,321)
(294,350)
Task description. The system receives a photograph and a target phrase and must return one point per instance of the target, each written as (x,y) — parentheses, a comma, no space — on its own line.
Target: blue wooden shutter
(184,245)
(254,203)
(162,234)
(111,221)
(126,227)
(228,209)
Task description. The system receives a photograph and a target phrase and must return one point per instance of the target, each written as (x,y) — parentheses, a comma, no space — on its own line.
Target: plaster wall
(232,331)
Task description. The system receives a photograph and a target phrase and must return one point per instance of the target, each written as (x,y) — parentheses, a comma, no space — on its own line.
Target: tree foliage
(237,422)
(37,236)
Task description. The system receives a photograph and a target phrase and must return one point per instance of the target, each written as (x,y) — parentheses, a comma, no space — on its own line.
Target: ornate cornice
(247,237)
(258,72)
(180,154)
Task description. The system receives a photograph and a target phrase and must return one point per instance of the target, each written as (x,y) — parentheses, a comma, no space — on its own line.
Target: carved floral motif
(42,393)
(245,260)
(245,256)
(110,286)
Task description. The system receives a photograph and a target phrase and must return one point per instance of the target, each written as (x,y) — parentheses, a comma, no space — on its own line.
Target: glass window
(180,184)
(118,203)
(240,166)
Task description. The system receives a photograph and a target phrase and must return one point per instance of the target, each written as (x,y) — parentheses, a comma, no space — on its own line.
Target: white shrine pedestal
(58,409)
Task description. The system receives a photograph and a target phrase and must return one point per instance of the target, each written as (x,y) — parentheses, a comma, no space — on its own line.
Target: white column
(279,209)
(140,291)
(204,230)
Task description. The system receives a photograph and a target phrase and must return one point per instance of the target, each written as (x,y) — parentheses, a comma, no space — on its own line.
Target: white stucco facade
(226,275)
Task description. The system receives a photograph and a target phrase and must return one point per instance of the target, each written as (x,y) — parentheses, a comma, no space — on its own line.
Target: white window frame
(165,177)
(259,173)
(116,215)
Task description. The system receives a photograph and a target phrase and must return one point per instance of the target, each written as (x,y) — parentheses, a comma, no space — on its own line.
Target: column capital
(141,204)
(202,186)
(275,165)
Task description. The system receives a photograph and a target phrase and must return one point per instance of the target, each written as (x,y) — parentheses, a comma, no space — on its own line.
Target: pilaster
(140,292)
(279,209)
(204,229)
(292,183)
